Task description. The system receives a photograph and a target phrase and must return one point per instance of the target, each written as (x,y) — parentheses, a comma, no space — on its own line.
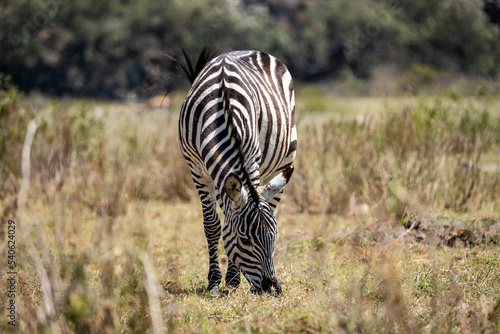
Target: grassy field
(390,224)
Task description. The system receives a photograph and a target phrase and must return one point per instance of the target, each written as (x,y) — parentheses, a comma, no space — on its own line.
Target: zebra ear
(235,190)
(276,184)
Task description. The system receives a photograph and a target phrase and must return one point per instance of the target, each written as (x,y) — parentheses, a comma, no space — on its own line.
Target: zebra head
(250,229)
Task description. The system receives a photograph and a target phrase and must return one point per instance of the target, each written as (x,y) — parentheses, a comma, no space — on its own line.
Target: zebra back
(239,117)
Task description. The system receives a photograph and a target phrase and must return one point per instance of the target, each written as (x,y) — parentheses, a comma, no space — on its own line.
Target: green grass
(113,221)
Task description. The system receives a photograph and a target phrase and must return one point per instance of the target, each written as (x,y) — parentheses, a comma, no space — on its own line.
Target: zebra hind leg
(233,275)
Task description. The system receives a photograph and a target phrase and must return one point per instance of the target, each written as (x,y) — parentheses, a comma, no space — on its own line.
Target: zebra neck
(247,152)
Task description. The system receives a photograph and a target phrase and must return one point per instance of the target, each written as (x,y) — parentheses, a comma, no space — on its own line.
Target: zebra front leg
(212,227)
(232,275)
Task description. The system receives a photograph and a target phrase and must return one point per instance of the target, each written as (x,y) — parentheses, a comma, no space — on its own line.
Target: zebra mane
(190,71)
(253,192)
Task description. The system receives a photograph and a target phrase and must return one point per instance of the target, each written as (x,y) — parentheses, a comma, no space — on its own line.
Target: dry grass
(113,224)
(425,154)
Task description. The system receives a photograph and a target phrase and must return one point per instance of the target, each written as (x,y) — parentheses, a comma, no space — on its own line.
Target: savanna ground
(391,222)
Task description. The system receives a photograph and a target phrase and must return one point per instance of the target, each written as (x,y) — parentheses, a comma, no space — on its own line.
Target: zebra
(237,134)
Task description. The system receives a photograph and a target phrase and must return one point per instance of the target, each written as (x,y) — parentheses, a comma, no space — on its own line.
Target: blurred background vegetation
(116,48)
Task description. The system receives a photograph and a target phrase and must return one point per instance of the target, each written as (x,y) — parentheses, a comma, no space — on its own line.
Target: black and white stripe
(237,133)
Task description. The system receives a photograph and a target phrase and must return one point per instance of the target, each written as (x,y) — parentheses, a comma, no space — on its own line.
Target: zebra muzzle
(267,284)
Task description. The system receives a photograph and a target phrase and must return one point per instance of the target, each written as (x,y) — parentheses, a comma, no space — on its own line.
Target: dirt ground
(434,231)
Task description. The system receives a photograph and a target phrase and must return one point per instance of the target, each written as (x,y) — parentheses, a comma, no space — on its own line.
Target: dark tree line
(116,48)
(492,9)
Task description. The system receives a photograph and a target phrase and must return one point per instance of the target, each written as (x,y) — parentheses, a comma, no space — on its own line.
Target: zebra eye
(246,241)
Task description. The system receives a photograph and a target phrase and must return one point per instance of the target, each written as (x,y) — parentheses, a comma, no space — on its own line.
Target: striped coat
(237,133)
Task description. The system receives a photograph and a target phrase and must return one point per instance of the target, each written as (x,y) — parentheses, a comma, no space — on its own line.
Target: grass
(382,229)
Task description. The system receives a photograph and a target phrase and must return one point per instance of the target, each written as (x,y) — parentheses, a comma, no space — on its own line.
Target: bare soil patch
(436,231)
(449,232)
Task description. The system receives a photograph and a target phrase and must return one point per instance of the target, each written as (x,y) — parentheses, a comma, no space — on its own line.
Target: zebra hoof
(212,292)
(233,283)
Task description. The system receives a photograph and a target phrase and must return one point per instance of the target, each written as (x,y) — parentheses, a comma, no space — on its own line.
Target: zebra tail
(191,72)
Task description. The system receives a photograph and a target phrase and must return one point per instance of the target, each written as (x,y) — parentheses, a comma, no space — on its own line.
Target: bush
(117,49)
